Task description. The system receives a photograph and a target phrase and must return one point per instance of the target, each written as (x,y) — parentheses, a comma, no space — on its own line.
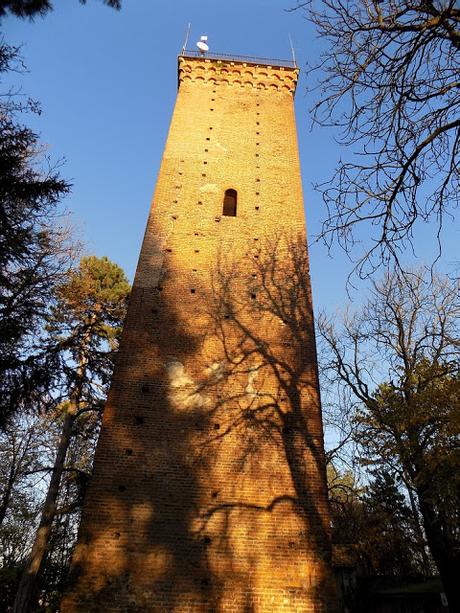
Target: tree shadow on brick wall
(266,406)
(211,445)
(136,549)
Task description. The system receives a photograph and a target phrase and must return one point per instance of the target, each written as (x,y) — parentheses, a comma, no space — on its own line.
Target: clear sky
(107,82)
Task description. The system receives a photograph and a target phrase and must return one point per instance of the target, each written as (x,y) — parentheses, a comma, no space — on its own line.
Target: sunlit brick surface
(204,498)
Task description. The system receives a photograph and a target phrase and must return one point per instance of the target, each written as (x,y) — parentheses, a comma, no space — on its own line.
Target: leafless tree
(389,83)
(399,357)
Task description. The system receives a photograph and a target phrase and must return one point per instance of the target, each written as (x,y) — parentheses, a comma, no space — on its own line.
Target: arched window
(230,198)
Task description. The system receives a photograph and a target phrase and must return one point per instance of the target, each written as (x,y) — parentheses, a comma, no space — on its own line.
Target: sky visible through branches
(106,81)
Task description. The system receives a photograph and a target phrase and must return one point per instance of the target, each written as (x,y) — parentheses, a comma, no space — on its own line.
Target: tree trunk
(28,583)
(443,552)
(7,494)
(421,540)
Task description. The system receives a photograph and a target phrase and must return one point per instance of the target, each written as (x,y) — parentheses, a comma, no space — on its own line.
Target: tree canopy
(399,357)
(35,247)
(84,326)
(388,84)
(34,8)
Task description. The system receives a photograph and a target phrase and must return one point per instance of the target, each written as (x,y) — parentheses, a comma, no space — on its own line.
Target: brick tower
(209,490)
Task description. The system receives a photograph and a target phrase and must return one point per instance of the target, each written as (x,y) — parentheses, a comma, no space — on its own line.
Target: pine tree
(35,251)
(85,325)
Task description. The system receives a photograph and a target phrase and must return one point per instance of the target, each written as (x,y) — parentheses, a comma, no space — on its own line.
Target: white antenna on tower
(186,39)
(202,44)
(292,51)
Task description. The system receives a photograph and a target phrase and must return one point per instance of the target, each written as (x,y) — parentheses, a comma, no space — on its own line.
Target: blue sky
(107,82)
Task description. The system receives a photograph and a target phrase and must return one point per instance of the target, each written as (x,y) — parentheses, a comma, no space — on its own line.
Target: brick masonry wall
(209,492)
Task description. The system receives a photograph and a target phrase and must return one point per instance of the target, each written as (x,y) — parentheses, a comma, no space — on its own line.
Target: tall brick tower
(209,490)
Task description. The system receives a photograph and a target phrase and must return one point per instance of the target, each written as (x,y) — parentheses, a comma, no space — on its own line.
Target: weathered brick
(196,503)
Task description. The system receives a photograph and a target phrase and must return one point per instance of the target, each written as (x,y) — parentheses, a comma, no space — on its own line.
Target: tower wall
(209,489)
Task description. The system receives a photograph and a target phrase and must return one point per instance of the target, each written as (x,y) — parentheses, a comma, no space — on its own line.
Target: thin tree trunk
(443,552)
(7,494)
(28,583)
(26,591)
(418,528)
(15,469)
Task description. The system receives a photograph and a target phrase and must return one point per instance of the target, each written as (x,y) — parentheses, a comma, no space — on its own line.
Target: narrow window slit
(230,202)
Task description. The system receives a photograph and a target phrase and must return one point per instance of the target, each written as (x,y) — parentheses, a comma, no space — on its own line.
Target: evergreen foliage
(35,251)
(28,9)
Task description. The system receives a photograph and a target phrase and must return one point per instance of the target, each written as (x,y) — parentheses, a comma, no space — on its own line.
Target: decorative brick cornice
(237,74)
